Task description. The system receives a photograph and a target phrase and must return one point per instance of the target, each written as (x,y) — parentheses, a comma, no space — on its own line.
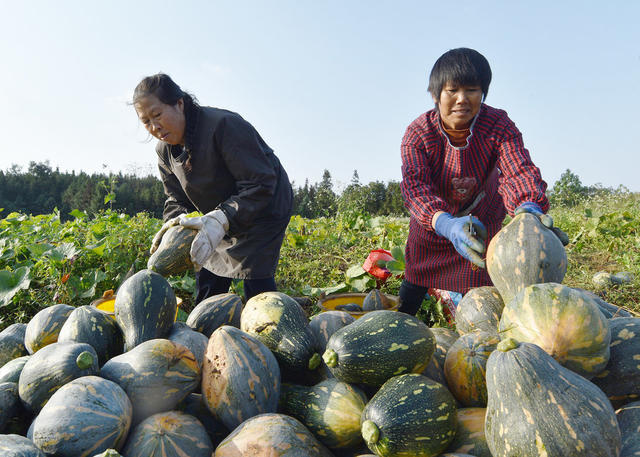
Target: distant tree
(325,198)
(568,190)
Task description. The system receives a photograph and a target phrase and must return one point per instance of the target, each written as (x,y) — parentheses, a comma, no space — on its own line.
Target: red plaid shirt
(437,176)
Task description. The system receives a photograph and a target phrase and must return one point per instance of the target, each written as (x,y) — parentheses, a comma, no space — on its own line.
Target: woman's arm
(417,187)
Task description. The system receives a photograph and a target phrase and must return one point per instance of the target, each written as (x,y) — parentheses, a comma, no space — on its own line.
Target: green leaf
(398,253)
(308,290)
(40,249)
(361,284)
(78,214)
(395,267)
(588,212)
(98,248)
(355,271)
(64,251)
(11,282)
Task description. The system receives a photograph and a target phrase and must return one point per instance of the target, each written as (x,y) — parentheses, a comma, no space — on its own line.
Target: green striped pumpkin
(273,435)
(10,371)
(240,377)
(173,254)
(620,379)
(12,343)
(374,300)
(470,434)
(9,403)
(18,446)
(325,324)
(87,324)
(379,345)
(52,367)
(562,321)
(331,410)
(45,326)
(410,415)
(465,365)
(444,340)
(537,407)
(195,406)
(214,312)
(84,417)
(145,308)
(629,421)
(169,434)
(196,342)
(522,253)
(479,309)
(156,375)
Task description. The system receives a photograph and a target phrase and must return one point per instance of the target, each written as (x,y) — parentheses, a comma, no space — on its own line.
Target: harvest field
(45,261)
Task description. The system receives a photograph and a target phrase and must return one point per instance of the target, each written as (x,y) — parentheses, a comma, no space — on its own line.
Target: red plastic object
(371,266)
(448,305)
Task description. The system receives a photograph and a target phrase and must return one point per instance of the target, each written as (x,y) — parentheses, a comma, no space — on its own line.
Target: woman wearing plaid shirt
(464,167)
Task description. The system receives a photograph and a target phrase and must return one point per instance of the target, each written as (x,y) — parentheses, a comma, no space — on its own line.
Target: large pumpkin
(12,343)
(444,340)
(84,417)
(282,325)
(45,326)
(145,308)
(52,367)
(379,345)
(156,375)
(240,377)
(620,379)
(173,254)
(87,324)
(9,403)
(214,312)
(10,371)
(470,433)
(538,407)
(196,342)
(18,446)
(562,321)
(331,410)
(479,309)
(629,421)
(522,253)
(195,406)
(323,325)
(409,415)
(273,435)
(169,434)
(465,365)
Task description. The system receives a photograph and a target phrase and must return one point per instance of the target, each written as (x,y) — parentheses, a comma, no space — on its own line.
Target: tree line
(40,189)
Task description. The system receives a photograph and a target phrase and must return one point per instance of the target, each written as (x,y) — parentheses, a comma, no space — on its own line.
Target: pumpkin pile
(535,368)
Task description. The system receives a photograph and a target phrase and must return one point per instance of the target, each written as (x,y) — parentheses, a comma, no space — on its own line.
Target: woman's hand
(211,229)
(467,234)
(547,221)
(158,236)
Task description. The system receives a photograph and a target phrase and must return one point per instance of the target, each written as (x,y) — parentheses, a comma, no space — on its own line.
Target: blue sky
(328,84)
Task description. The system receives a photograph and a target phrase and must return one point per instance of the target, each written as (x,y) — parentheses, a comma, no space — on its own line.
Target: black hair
(462,66)
(168,92)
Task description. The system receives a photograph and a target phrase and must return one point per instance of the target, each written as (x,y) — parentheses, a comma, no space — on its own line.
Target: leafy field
(45,261)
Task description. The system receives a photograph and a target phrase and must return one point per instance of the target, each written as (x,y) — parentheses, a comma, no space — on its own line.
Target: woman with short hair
(464,167)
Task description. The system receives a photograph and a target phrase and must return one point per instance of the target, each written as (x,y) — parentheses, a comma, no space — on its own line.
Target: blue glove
(547,221)
(467,234)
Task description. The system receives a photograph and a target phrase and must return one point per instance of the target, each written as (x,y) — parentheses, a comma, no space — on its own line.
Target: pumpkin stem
(314,361)
(85,360)
(370,432)
(330,357)
(507,345)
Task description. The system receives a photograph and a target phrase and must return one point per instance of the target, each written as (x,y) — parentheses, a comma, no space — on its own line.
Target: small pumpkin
(214,312)
(282,325)
(45,326)
(405,410)
(145,308)
(84,417)
(240,377)
(522,253)
(169,434)
(325,324)
(379,345)
(273,435)
(12,343)
(10,371)
(479,309)
(52,367)
(620,379)
(173,254)
(444,340)
(331,410)
(18,446)
(156,375)
(196,342)
(562,321)
(465,366)
(87,324)
(373,300)
(537,407)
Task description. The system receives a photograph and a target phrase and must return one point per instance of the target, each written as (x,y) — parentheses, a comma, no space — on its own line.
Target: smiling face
(165,122)
(458,105)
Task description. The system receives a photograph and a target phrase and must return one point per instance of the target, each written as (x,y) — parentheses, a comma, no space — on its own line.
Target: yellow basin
(329,303)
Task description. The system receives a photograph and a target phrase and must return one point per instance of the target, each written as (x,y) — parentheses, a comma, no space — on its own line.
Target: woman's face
(165,122)
(458,105)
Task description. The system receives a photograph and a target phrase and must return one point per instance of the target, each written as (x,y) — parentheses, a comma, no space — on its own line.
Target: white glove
(158,236)
(211,229)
